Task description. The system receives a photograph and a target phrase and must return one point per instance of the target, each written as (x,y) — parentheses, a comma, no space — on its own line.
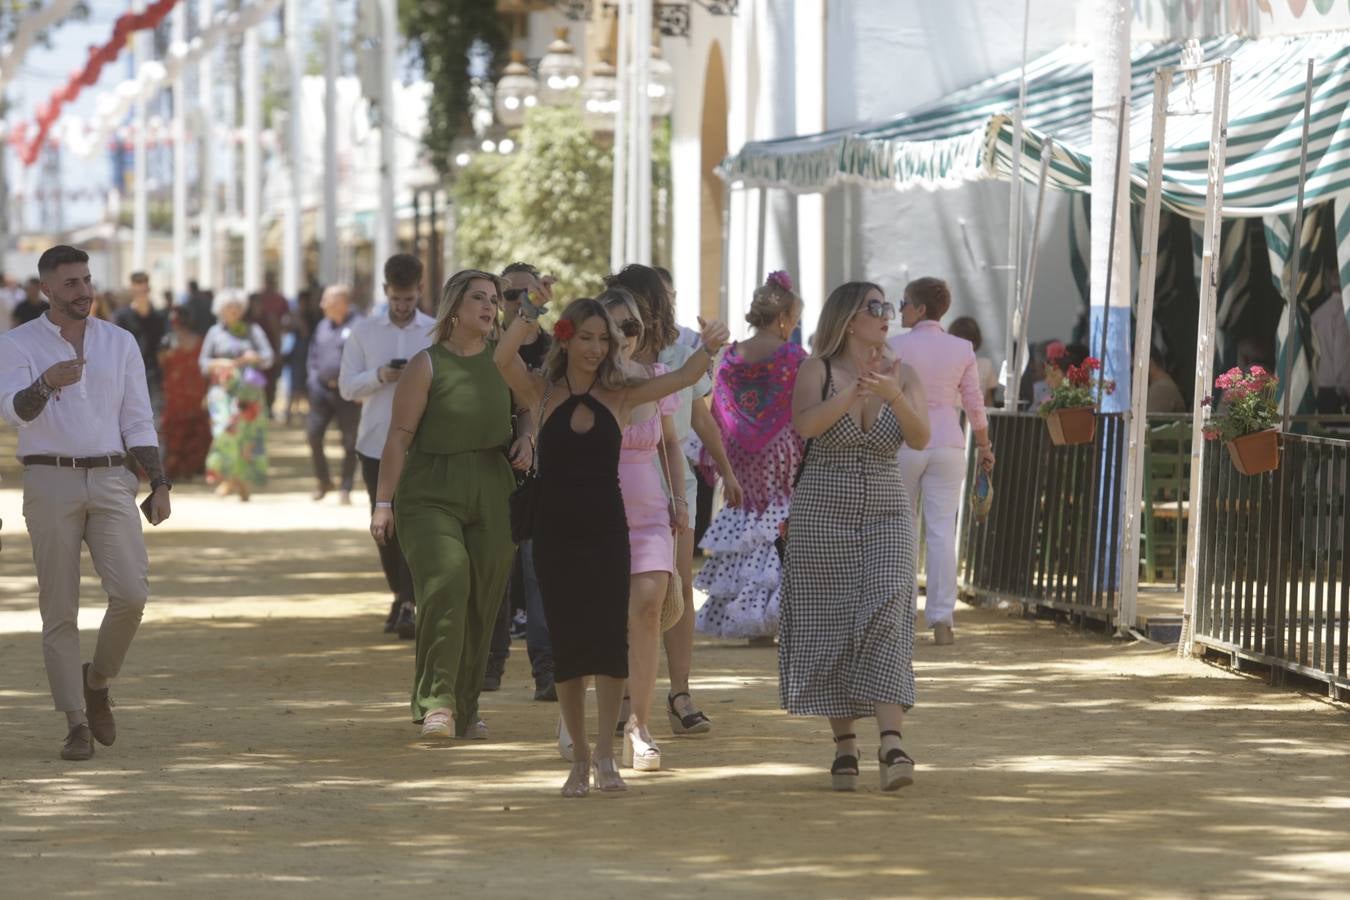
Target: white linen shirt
(373,343)
(106,411)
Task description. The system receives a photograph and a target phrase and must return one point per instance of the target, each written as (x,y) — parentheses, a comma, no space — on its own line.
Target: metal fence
(1053,535)
(1272,581)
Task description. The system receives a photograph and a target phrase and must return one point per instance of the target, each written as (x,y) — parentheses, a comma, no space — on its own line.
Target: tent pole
(1204,342)
(1012,376)
(1022,318)
(618,229)
(1136,418)
(1295,251)
(1121,163)
(759,240)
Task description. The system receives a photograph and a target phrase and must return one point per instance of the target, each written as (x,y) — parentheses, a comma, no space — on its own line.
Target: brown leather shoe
(79,744)
(98,707)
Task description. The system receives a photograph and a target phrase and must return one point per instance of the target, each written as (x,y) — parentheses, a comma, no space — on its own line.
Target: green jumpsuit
(452,519)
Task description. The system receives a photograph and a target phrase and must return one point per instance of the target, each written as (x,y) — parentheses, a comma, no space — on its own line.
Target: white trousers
(933,479)
(65,508)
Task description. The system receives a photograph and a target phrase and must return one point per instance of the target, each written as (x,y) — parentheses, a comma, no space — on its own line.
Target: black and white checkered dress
(846,633)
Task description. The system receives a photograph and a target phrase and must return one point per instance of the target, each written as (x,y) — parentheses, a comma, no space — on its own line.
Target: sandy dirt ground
(264,750)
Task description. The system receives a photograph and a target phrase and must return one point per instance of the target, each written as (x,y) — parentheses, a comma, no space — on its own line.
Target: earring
(850,331)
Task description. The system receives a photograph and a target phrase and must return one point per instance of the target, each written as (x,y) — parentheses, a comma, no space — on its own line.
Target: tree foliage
(440,33)
(548,204)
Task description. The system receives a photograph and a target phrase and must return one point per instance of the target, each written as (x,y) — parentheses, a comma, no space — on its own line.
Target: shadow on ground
(265,748)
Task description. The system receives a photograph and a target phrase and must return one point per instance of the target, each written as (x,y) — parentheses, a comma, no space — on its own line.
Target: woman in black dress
(581,538)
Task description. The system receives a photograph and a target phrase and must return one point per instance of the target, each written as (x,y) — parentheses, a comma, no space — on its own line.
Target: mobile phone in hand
(397,363)
(145,507)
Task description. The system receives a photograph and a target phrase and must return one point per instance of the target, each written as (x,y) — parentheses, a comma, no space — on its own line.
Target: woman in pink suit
(933,476)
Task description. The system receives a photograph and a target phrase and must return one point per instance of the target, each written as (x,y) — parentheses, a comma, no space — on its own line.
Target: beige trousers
(64,508)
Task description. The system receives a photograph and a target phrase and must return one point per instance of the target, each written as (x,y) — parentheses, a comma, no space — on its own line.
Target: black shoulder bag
(524,500)
(781,543)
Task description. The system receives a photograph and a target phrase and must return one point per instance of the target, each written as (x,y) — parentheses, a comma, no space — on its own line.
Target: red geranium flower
(563,330)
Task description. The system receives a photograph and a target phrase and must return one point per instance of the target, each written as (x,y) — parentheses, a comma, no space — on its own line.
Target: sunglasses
(880,309)
(511,295)
(631,327)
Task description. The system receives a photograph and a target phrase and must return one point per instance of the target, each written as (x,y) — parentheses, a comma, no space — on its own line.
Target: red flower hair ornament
(780,280)
(563,330)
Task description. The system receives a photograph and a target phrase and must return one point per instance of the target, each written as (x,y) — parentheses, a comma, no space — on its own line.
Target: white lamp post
(517,91)
(660,84)
(600,98)
(560,71)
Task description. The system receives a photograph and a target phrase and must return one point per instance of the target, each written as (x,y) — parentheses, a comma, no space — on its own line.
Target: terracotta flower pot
(1255,453)
(1074,425)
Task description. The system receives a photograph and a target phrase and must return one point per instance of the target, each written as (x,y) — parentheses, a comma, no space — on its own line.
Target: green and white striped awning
(968,136)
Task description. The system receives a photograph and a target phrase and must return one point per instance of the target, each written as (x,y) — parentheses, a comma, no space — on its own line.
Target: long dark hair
(658,313)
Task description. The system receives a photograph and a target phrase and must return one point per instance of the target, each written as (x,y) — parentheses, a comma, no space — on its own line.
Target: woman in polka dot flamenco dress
(752,404)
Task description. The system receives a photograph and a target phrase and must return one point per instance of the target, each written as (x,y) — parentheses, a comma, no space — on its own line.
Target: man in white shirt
(372,361)
(75,388)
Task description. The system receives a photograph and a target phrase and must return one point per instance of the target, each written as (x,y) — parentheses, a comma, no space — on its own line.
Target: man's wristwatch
(160,482)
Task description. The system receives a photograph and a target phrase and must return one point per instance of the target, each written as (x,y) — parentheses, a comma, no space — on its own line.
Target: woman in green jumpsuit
(447,453)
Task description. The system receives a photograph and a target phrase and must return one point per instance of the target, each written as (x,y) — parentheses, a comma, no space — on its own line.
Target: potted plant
(1070,411)
(1245,419)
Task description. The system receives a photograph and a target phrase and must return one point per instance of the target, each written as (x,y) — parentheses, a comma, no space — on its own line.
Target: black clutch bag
(524,500)
(525,507)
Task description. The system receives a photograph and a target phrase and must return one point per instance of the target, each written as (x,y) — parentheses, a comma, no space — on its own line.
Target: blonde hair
(610,374)
(840,308)
(452,296)
(770,301)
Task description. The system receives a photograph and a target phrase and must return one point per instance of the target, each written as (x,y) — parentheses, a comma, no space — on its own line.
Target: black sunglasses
(514,294)
(630,327)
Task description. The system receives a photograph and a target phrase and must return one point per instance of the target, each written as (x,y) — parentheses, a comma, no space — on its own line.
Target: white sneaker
(438,723)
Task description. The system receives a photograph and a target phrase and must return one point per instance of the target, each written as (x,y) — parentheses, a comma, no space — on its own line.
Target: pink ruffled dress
(650,540)
(752,405)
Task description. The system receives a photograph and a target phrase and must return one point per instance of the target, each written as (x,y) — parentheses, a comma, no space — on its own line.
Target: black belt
(75,462)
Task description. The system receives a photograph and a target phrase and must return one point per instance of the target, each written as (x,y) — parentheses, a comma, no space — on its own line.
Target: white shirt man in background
(75,388)
(372,361)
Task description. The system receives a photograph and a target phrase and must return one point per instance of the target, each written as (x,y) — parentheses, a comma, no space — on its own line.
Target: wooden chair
(1166,504)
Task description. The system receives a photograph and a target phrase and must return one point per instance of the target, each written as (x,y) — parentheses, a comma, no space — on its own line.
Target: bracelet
(712,354)
(384,504)
(680,500)
(43,388)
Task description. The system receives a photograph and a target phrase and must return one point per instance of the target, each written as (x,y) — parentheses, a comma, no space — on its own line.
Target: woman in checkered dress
(846,634)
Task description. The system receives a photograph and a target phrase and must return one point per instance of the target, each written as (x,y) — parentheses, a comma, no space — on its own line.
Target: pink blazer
(950,378)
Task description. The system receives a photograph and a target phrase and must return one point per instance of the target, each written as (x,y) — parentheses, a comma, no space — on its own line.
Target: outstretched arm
(715,334)
(526,385)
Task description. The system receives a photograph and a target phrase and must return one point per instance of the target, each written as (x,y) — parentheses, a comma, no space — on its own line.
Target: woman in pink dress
(752,405)
(652,522)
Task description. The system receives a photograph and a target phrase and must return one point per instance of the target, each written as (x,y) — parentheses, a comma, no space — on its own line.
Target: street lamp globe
(660,84)
(600,98)
(559,71)
(517,91)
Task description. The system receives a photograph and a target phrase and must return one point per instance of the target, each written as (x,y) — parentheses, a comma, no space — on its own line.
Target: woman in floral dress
(234,356)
